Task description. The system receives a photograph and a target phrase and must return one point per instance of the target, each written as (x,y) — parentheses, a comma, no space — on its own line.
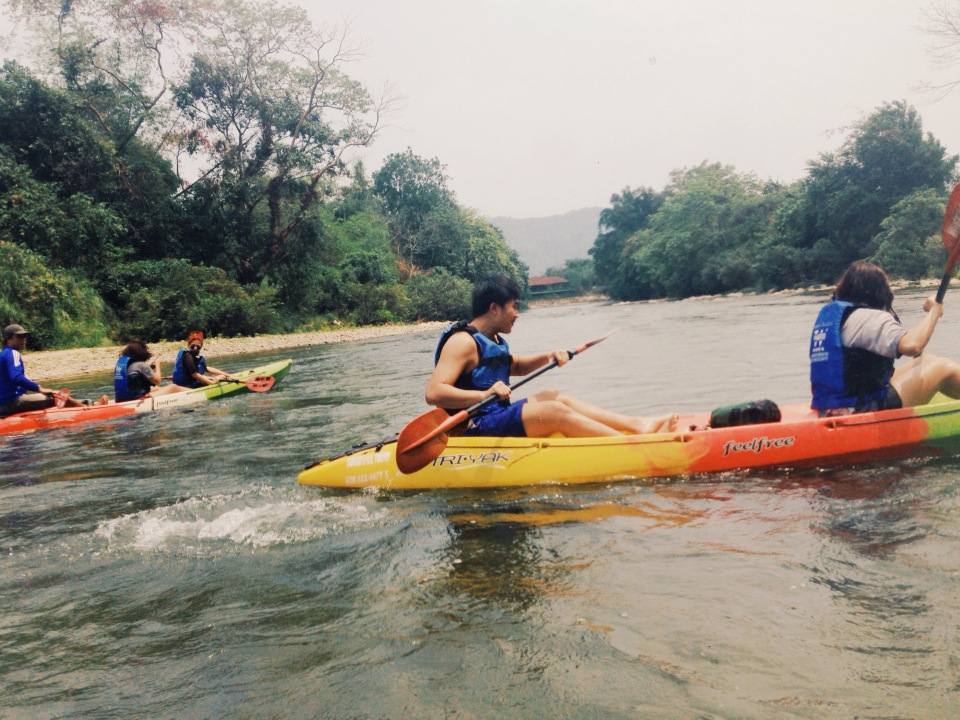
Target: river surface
(170,566)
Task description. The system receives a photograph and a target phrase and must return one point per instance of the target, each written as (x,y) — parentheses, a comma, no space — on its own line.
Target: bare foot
(664,423)
(102,400)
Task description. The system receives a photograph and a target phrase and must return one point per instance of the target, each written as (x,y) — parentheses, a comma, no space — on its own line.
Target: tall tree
(269,105)
(412,189)
(629,211)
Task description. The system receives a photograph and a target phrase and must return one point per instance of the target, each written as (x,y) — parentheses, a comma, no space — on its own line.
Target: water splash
(257,518)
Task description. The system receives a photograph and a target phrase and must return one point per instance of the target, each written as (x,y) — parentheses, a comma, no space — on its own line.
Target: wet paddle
(257,383)
(423,439)
(950,234)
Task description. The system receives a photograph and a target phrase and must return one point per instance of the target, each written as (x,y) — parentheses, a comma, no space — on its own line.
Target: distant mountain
(548,241)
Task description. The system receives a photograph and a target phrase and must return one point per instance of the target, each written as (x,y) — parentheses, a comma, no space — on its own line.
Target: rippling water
(169,566)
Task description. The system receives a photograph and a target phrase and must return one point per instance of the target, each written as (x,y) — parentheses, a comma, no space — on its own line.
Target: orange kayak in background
(65,417)
(800,439)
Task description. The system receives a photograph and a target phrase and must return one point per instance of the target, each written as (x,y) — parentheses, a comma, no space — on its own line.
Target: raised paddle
(950,233)
(423,439)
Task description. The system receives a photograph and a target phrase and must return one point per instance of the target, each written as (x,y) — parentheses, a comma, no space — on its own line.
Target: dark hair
(864,283)
(136,351)
(498,289)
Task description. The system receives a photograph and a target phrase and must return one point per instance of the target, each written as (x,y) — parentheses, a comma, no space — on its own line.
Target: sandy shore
(57,364)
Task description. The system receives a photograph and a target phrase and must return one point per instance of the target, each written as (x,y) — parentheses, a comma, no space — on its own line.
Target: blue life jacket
(180,376)
(494,361)
(842,377)
(121,390)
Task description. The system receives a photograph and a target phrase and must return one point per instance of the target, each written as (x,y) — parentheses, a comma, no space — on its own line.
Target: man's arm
(916,338)
(17,377)
(459,355)
(526,364)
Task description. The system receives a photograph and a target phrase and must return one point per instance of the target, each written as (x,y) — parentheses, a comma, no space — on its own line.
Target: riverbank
(58,364)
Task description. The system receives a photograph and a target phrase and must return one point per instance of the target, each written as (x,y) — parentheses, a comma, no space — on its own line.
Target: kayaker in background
(18,393)
(190,369)
(473,361)
(137,374)
(856,338)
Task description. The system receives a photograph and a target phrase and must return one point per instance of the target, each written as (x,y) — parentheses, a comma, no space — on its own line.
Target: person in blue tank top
(473,361)
(856,339)
(190,369)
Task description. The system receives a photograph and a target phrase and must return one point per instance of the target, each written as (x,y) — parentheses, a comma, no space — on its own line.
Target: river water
(169,565)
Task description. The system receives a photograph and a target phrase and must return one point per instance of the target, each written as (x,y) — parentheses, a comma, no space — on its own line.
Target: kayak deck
(800,439)
(68,416)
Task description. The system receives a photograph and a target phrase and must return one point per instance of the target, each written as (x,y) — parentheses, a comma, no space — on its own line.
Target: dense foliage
(140,203)
(712,229)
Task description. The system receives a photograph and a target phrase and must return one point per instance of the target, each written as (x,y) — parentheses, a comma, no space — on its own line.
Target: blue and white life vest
(493,365)
(180,376)
(121,388)
(842,377)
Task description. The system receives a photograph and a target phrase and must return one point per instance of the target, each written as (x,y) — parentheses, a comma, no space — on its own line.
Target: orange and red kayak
(65,417)
(800,439)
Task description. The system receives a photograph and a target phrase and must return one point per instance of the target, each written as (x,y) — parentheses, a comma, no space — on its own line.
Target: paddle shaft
(948,272)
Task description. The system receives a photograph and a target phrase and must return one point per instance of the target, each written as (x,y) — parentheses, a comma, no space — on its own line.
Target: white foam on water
(252,518)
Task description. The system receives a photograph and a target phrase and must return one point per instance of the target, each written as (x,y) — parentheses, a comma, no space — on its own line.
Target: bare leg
(920,379)
(167,390)
(542,418)
(609,418)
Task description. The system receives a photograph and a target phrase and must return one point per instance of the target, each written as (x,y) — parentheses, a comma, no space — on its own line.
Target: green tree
(694,243)
(439,295)
(412,189)
(629,211)
(162,299)
(903,245)
(846,195)
(270,107)
(579,273)
(60,308)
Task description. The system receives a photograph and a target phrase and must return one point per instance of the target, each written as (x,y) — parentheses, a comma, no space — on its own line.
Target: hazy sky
(538,107)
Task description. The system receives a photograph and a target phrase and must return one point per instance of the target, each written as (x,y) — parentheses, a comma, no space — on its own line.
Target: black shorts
(890,401)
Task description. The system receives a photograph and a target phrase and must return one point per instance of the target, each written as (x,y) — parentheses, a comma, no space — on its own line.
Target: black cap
(10,330)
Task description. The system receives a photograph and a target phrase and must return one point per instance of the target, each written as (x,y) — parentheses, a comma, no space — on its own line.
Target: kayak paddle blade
(412,452)
(260,383)
(950,231)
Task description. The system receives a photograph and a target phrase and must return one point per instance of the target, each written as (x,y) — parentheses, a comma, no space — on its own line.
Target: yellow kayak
(800,439)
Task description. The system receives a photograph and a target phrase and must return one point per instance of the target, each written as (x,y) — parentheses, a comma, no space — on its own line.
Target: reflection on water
(170,561)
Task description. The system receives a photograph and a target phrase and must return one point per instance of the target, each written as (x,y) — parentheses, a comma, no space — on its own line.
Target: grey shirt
(138,378)
(876,331)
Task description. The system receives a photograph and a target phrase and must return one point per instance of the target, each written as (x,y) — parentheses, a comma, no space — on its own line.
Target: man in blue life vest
(473,361)
(18,393)
(190,369)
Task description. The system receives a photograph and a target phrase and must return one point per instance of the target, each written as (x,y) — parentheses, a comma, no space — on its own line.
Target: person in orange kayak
(190,369)
(473,361)
(137,374)
(18,393)
(855,340)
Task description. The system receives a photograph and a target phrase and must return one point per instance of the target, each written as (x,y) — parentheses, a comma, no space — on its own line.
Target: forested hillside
(543,242)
